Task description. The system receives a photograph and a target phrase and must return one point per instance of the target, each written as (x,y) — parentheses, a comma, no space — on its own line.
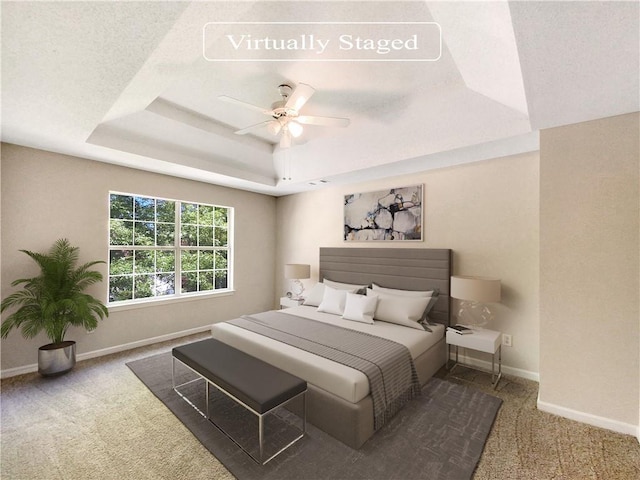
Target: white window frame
(177,248)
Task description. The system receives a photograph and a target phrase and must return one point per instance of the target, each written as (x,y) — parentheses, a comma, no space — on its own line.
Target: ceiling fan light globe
(295,129)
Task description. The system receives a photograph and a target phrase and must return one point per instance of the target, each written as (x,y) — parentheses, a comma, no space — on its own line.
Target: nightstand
(481,340)
(286,302)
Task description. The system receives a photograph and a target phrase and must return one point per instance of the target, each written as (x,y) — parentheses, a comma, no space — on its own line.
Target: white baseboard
(506,369)
(12,372)
(590,419)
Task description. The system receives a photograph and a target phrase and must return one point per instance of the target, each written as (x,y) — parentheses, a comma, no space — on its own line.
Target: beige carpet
(101,422)
(529,444)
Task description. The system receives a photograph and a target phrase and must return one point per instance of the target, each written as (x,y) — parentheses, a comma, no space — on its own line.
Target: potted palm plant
(53,301)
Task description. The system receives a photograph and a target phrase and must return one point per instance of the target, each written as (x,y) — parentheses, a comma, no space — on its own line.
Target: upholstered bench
(258,386)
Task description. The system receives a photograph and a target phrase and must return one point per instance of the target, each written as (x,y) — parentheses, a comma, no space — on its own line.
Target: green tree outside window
(156,242)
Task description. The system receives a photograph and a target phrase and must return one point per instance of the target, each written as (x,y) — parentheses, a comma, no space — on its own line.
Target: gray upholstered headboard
(403,268)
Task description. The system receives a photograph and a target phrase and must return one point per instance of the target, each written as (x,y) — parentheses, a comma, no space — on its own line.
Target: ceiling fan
(286,119)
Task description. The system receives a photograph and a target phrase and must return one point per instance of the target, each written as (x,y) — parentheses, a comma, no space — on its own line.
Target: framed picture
(394,214)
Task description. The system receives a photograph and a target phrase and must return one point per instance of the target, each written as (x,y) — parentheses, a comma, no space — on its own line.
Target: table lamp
(296,272)
(474,293)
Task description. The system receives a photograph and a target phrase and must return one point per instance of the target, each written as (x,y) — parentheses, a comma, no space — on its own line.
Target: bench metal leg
(261,435)
(261,416)
(206,398)
(205,414)
(303,430)
(304,413)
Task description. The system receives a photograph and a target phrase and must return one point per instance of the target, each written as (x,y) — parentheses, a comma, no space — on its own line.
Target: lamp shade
(296,271)
(478,289)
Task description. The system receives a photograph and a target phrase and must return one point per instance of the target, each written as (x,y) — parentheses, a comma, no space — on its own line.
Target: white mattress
(345,382)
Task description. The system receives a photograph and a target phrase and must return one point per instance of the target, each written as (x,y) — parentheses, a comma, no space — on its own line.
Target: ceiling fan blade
(251,106)
(323,121)
(252,127)
(300,96)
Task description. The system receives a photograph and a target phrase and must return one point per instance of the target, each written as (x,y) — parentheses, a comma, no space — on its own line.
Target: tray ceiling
(127,83)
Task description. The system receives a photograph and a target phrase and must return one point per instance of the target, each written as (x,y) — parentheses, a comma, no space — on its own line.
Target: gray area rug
(439,435)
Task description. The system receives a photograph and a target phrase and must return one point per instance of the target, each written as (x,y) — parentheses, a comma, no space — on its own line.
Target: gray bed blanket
(393,380)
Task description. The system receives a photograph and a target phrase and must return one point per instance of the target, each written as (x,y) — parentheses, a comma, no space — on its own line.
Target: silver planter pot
(56,358)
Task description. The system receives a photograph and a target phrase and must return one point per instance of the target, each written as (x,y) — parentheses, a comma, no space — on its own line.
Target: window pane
(206,260)
(144,233)
(190,282)
(205,215)
(165,261)
(206,281)
(221,237)
(221,279)
(145,209)
(145,260)
(121,232)
(221,217)
(189,235)
(166,211)
(189,213)
(221,259)
(189,260)
(165,284)
(120,262)
(144,286)
(121,206)
(165,234)
(120,288)
(205,237)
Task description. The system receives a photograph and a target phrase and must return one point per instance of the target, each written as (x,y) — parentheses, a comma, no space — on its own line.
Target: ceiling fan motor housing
(285,90)
(279,108)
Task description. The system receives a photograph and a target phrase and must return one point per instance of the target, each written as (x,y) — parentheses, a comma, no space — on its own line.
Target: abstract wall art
(394,214)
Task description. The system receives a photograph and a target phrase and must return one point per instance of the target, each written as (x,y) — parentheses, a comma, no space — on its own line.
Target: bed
(339,398)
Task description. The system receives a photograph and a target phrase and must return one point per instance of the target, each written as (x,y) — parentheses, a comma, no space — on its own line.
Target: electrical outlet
(506,340)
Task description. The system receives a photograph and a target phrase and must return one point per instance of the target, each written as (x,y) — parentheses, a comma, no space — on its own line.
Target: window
(162,248)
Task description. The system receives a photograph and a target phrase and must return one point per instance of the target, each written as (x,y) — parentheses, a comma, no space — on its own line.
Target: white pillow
(360,308)
(403,293)
(314,297)
(344,286)
(333,301)
(399,309)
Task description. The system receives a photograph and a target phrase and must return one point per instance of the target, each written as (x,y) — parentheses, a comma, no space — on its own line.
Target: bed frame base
(352,423)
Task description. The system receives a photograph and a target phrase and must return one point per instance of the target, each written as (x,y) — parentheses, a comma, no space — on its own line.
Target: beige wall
(561,229)
(486,212)
(589,269)
(46,196)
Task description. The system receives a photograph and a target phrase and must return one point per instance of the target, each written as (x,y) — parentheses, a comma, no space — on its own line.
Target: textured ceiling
(128,83)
